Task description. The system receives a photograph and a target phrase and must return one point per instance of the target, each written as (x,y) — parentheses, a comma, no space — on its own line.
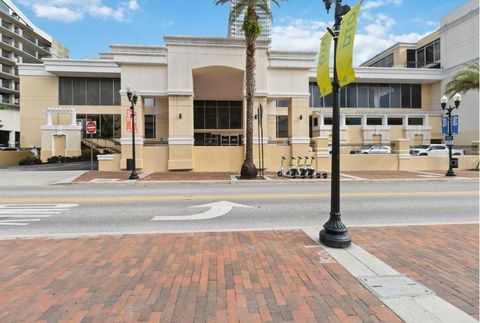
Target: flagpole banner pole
(323,65)
(345,71)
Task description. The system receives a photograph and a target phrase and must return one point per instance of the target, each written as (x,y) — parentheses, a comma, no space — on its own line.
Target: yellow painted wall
(11,158)
(155,158)
(218,159)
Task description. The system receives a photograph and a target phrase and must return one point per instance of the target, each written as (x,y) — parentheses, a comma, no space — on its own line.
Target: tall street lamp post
(335,233)
(457,98)
(133,97)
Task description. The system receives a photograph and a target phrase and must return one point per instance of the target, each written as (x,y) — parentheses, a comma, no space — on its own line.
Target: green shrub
(30,160)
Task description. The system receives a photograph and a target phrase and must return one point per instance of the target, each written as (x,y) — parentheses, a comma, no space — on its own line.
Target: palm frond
(465,80)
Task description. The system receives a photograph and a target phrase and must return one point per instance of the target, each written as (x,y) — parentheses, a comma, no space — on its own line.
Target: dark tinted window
(415,121)
(93,91)
(374,121)
(395,97)
(353,121)
(416,96)
(79,91)
(395,121)
(328,121)
(352,96)
(106,91)
(236,115)
(384,93)
(149,126)
(362,95)
(282,126)
(281,103)
(373,96)
(65,91)
(223,115)
(210,115)
(406,98)
(199,115)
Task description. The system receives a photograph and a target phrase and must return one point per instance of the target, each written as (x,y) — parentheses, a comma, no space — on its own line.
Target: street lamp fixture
(335,233)
(132,98)
(444,100)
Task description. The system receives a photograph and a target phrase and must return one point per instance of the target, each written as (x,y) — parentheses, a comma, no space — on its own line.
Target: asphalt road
(74,210)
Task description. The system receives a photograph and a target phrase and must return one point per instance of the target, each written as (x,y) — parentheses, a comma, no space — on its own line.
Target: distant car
(434,150)
(9,149)
(372,149)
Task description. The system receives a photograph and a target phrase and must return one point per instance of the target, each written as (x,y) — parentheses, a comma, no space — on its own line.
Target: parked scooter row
(300,168)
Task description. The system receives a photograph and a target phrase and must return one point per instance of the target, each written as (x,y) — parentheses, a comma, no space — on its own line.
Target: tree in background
(252,29)
(464,81)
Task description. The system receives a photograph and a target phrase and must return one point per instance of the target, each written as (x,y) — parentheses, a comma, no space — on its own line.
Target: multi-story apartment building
(20,42)
(236,22)
(191,111)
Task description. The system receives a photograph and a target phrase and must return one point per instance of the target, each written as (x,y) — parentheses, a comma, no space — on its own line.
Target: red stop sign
(91,127)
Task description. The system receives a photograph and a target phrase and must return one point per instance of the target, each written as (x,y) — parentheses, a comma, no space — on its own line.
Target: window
(148,103)
(150,126)
(373,96)
(416,96)
(281,103)
(421,58)
(315,100)
(384,93)
(415,121)
(436,51)
(406,97)
(374,121)
(384,62)
(315,122)
(282,126)
(217,115)
(352,96)
(328,121)
(353,121)
(395,98)
(411,58)
(89,91)
(363,95)
(395,121)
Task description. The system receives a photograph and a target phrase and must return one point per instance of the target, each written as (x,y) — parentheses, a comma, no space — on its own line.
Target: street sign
(455,125)
(91,127)
(444,125)
(449,142)
(448,138)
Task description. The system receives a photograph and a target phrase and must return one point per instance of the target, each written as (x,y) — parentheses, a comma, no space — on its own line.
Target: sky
(87,27)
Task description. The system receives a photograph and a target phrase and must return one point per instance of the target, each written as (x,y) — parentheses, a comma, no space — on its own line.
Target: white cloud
(73,10)
(373,4)
(376,36)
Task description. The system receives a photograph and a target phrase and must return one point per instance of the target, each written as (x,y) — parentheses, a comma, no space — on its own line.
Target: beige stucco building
(191,115)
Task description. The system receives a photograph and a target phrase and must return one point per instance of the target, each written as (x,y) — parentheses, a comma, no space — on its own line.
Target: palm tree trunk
(249,171)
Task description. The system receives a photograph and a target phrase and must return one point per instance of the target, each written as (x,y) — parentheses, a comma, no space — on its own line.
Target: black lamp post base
(133,176)
(335,239)
(450,173)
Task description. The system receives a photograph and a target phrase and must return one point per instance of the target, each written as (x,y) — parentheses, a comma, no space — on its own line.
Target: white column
(321,121)
(74,118)
(364,120)
(385,120)
(11,139)
(405,120)
(425,120)
(342,120)
(49,117)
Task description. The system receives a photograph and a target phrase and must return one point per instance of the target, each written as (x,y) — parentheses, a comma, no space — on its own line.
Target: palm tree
(252,29)
(464,81)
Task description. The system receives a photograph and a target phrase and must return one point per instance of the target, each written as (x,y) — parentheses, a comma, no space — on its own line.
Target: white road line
(427,308)
(352,177)
(429,174)
(24,214)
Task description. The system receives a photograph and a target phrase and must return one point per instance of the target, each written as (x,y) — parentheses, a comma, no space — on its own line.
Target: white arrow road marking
(23,214)
(217,209)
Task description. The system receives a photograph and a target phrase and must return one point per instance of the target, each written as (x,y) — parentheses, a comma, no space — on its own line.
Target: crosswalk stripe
(24,214)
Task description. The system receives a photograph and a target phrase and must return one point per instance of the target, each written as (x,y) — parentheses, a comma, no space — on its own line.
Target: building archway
(218,106)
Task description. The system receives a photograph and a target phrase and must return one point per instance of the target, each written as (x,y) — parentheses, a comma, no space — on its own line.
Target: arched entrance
(218,106)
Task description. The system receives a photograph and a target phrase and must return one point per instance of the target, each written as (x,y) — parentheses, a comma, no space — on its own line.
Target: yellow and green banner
(323,65)
(345,72)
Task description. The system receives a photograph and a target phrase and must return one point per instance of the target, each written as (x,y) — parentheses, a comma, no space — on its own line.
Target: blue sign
(444,125)
(455,125)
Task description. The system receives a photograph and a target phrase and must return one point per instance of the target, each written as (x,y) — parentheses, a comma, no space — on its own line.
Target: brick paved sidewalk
(226,176)
(443,258)
(219,277)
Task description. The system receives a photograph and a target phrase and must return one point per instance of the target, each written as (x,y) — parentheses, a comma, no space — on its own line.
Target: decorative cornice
(212,42)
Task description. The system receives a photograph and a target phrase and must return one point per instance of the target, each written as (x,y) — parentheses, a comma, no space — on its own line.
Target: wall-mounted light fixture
(179,116)
(255,116)
(301,117)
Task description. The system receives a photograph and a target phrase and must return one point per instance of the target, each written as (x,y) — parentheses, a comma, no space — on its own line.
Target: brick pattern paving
(220,277)
(226,176)
(444,258)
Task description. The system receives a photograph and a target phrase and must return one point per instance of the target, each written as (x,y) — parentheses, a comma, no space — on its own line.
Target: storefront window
(282,126)
(89,91)
(150,126)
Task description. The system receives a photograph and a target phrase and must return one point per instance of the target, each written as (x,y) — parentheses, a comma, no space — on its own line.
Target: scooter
(312,172)
(290,173)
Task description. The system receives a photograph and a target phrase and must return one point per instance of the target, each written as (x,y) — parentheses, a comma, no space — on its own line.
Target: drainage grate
(394,286)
